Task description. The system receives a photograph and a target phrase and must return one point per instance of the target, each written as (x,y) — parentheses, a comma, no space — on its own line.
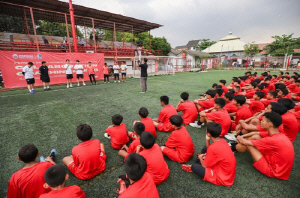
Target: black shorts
(79,75)
(30,81)
(45,79)
(116,75)
(123,74)
(69,76)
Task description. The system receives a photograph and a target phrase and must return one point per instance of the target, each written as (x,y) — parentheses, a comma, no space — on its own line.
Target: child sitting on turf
(162,123)
(256,105)
(271,97)
(56,177)
(206,102)
(156,165)
(139,128)
(274,155)
(216,162)
(149,126)
(88,158)
(243,111)
(188,109)
(222,83)
(230,107)
(141,182)
(29,181)
(179,146)
(117,132)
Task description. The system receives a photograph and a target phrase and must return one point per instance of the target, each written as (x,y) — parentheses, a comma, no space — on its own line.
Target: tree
(251,49)
(283,45)
(12,24)
(158,43)
(204,43)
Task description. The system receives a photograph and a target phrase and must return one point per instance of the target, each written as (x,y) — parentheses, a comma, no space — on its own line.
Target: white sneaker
(71,85)
(195,125)
(106,135)
(203,124)
(108,82)
(78,85)
(67,86)
(115,81)
(230,136)
(142,92)
(83,84)
(118,81)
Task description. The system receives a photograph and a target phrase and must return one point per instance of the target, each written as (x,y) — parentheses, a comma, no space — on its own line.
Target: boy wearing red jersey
(117,132)
(88,158)
(216,162)
(271,97)
(206,102)
(179,146)
(222,83)
(256,105)
(29,181)
(56,177)
(156,165)
(139,128)
(188,109)
(141,182)
(242,113)
(149,126)
(162,123)
(274,155)
(230,107)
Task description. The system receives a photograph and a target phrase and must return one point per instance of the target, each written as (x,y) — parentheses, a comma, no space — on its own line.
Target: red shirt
(105,70)
(230,107)
(132,147)
(156,164)
(91,69)
(149,126)
(118,136)
(271,87)
(221,117)
(267,102)
(144,188)
(242,84)
(250,93)
(189,112)
(225,89)
(290,126)
(70,191)
(256,106)
(242,113)
(278,151)
(220,163)
(87,159)
(297,116)
(182,142)
(164,116)
(266,92)
(28,182)
(206,104)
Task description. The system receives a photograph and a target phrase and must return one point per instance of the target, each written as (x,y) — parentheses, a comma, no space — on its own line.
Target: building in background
(191,57)
(191,45)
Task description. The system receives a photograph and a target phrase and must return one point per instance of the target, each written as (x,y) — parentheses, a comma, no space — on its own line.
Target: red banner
(12,63)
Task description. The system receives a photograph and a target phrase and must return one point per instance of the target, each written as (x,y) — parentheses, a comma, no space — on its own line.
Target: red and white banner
(12,63)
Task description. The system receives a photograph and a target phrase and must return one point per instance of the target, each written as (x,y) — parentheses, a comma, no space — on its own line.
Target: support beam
(68,35)
(94,35)
(73,26)
(149,42)
(34,30)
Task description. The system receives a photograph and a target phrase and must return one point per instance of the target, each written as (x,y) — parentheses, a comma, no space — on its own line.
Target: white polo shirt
(116,69)
(68,68)
(80,69)
(123,68)
(28,72)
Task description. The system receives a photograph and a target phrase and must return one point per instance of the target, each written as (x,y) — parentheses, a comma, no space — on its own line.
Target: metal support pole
(123,37)
(68,35)
(94,36)
(115,43)
(149,41)
(247,63)
(73,26)
(85,35)
(266,63)
(288,63)
(132,37)
(26,27)
(34,30)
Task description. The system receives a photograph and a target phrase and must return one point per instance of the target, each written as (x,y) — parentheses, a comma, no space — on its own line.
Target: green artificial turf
(49,119)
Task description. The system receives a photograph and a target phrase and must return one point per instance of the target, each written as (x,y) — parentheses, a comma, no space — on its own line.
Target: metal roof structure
(83,15)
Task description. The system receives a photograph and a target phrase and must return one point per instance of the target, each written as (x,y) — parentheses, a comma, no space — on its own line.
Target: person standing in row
(106,73)
(44,71)
(91,71)
(123,71)
(116,68)
(28,73)
(79,72)
(144,75)
(69,73)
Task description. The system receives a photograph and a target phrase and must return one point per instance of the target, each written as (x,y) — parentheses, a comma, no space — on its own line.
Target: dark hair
(135,166)
(219,87)
(164,99)
(84,132)
(273,93)
(67,60)
(295,77)
(89,62)
(214,129)
(43,62)
(275,118)
(284,92)
(275,76)
(105,63)
(147,140)
(220,102)
(240,99)
(237,87)
(145,60)
(176,120)
(260,94)
(260,87)
(211,92)
(223,81)
(287,72)
(143,112)
(117,119)
(28,153)
(281,72)
(257,80)
(229,95)
(297,81)
(30,63)
(264,84)
(77,61)
(55,175)
(184,96)
(219,91)
(278,108)
(237,80)
(288,103)
(231,91)
(214,85)
(139,128)
(254,84)
(280,86)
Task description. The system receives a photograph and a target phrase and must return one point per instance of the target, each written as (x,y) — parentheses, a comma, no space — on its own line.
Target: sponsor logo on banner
(15,56)
(39,56)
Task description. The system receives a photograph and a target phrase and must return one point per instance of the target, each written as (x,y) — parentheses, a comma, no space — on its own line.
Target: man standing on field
(144,75)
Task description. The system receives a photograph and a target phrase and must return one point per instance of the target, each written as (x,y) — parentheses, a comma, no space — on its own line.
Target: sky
(184,20)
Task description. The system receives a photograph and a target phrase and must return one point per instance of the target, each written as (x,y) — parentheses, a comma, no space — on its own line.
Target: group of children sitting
(256,112)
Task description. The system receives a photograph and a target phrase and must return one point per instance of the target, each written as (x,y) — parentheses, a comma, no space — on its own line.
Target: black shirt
(44,70)
(144,69)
